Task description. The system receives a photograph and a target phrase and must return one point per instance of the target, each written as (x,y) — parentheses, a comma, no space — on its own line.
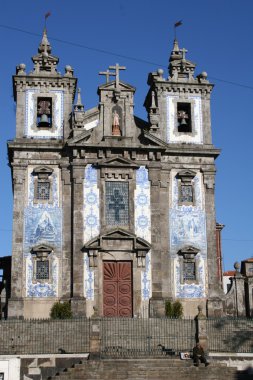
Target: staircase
(149,369)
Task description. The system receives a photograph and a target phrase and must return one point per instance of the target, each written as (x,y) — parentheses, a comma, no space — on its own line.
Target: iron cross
(117,68)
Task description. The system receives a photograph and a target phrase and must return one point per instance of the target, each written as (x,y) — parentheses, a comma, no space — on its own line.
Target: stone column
(16,302)
(214,291)
(201,333)
(66,233)
(156,302)
(166,275)
(239,283)
(78,302)
(95,337)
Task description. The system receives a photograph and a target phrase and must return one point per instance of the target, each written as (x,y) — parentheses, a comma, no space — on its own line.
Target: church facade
(112,213)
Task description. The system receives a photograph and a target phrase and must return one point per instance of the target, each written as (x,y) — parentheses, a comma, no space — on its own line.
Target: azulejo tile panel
(55,191)
(91,215)
(188,228)
(194,290)
(31,112)
(143,223)
(42,225)
(41,289)
(172,136)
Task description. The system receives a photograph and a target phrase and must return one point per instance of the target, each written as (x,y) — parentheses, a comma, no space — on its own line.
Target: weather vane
(177,24)
(46,17)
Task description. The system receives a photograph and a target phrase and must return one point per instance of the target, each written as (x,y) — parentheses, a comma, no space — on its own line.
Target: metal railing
(44,336)
(137,337)
(230,334)
(123,337)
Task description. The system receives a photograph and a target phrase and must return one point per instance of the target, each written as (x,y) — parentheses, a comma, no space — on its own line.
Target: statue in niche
(115,124)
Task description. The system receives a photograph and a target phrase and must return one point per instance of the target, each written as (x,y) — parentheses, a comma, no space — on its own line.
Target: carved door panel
(117,290)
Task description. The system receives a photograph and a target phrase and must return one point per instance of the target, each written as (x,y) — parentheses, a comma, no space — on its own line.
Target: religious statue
(115,124)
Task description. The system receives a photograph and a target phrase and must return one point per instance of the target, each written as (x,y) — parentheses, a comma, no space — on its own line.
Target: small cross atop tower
(183,51)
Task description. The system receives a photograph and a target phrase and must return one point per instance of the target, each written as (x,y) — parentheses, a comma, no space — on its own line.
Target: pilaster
(17,270)
(78,300)
(66,233)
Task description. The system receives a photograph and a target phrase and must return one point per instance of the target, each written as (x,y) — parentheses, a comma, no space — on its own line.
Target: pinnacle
(45,44)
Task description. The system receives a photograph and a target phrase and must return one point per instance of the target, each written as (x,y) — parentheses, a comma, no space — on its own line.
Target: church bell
(44,122)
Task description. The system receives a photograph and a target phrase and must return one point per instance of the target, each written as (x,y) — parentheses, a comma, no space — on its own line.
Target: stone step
(132,369)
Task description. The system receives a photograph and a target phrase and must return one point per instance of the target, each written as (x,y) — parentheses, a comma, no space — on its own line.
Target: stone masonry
(113,213)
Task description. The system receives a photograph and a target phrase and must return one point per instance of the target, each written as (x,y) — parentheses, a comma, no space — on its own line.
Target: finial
(79,100)
(79,105)
(175,45)
(44,45)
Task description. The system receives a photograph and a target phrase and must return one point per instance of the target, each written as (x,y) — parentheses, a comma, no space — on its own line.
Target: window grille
(186,194)
(117,203)
(43,190)
(189,271)
(42,270)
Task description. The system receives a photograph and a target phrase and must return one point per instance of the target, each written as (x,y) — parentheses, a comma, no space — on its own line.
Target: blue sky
(218,36)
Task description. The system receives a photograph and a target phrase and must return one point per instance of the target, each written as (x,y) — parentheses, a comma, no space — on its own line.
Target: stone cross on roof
(107,73)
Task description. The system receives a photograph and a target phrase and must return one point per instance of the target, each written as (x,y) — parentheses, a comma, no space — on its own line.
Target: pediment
(41,248)
(186,174)
(81,138)
(153,140)
(122,86)
(43,170)
(118,162)
(189,250)
(118,239)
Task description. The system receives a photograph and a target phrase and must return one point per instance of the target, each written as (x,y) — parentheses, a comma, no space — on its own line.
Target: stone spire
(44,62)
(180,69)
(79,105)
(45,44)
(78,119)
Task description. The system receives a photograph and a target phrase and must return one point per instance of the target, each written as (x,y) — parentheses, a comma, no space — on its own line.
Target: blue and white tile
(188,228)
(172,136)
(194,290)
(31,109)
(41,289)
(143,223)
(42,225)
(88,278)
(91,215)
(91,204)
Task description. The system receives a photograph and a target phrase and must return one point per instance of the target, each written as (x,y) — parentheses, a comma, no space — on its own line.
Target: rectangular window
(189,270)
(186,195)
(117,203)
(43,190)
(184,117)
(42,270)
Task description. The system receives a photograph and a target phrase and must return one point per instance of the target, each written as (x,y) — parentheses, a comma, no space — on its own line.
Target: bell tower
(179,114)
(44,98)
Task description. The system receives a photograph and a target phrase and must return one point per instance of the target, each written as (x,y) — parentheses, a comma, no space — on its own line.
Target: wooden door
(117,291)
